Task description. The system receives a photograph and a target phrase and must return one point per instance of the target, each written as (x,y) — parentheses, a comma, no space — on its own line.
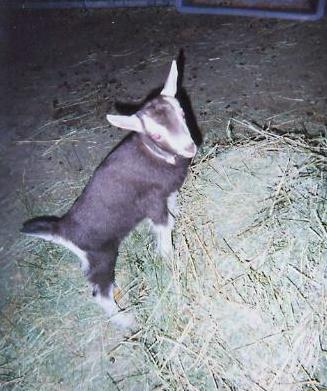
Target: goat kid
(138,180)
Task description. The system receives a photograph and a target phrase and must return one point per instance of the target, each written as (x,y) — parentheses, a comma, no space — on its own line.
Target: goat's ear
(130,122)
(170,87)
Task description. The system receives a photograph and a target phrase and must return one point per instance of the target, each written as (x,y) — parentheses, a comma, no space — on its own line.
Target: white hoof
(165,250)
(121,318)
(124,319)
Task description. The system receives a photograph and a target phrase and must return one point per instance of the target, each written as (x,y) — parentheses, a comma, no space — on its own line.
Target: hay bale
(242,304)
(240,307)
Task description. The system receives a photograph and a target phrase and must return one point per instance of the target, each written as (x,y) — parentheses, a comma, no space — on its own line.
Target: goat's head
(162,121)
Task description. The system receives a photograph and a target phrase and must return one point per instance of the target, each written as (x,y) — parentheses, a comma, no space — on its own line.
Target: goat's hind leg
(101,276)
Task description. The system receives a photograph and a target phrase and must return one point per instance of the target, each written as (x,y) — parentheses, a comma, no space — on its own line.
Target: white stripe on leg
(163,237)
(82,255)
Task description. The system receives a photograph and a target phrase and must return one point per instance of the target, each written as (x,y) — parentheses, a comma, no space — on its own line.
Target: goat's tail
(44,227)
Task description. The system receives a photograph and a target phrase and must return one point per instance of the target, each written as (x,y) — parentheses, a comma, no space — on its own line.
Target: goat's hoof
(124,319)
(165,249)
(166,253)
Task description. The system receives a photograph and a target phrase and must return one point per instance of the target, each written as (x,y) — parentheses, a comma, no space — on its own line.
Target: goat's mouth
(189,152)
(165,151)
(187,155)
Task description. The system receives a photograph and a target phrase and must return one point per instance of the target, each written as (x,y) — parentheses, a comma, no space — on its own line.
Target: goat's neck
(157,151)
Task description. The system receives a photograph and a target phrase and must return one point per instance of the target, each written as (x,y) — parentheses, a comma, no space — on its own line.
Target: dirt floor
(62,71)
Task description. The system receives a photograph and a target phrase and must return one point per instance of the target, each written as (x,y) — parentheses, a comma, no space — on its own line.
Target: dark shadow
(182,96)
(185,102)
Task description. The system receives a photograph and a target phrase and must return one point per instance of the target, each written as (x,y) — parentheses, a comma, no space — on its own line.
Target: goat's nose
(191,148)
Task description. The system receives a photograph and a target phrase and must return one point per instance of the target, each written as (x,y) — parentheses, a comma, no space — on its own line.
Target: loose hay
(241,307)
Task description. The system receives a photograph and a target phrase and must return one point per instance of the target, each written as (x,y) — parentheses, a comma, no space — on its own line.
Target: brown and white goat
(138,180)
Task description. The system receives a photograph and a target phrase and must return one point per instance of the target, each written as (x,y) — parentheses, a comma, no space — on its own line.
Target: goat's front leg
(162,226)
(162,232)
